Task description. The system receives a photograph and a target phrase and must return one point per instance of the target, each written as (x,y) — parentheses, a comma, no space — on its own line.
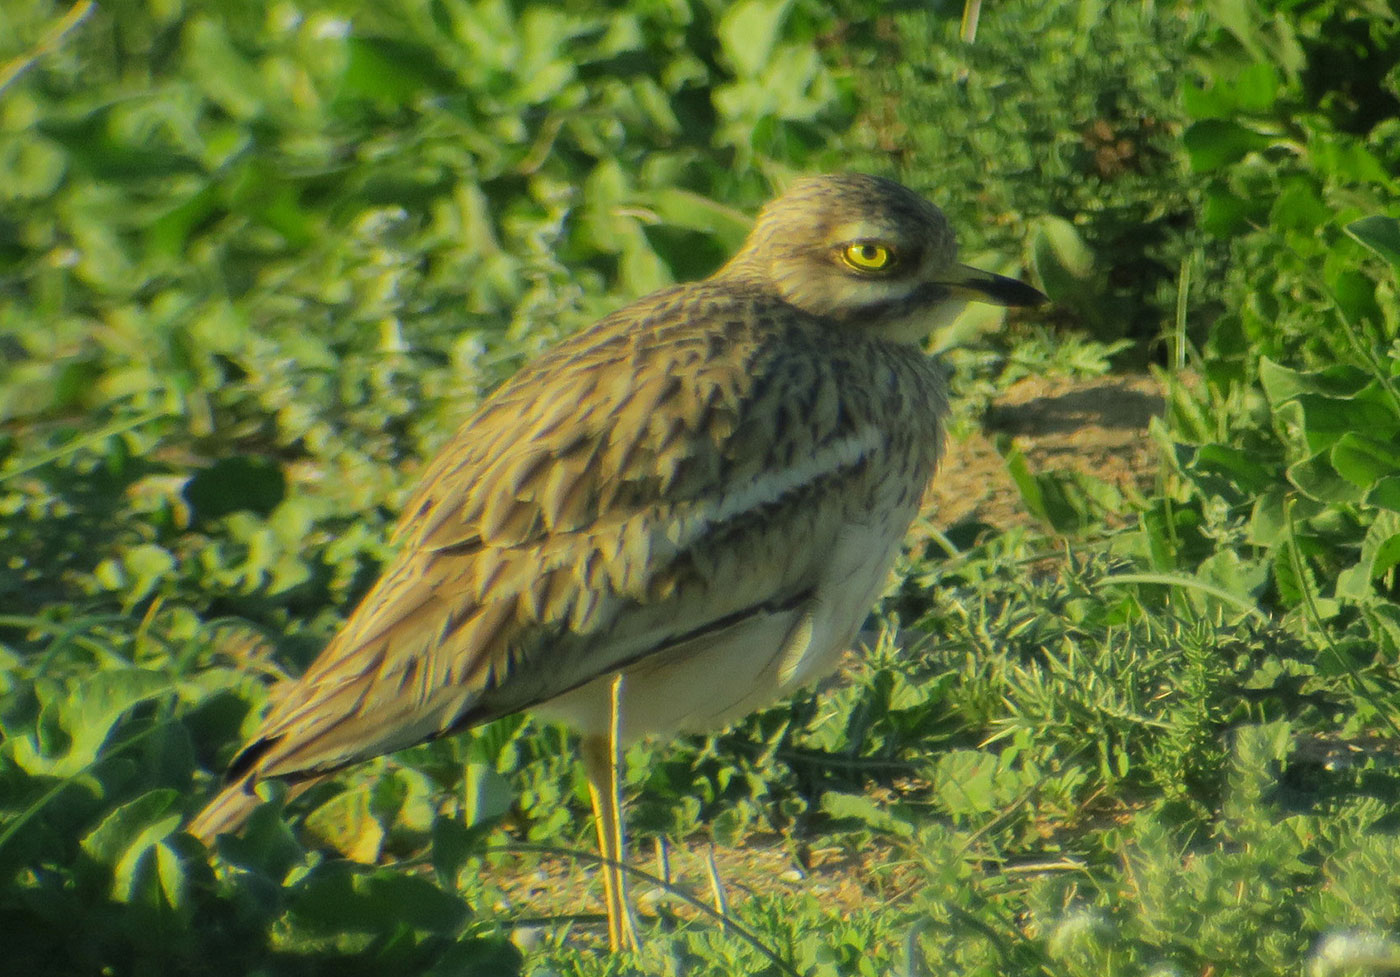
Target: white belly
(710,682)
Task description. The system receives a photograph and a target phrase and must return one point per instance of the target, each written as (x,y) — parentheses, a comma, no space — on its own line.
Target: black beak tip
(1012,292)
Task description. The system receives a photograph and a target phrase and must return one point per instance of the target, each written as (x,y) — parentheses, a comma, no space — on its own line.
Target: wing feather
(597,510)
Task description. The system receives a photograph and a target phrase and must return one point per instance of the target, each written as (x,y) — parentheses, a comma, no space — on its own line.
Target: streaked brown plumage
(704,491)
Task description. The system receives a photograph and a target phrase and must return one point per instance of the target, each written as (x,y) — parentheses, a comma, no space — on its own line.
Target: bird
(668,520)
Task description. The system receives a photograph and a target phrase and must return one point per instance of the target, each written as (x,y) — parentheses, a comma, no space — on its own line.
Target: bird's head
(868,252)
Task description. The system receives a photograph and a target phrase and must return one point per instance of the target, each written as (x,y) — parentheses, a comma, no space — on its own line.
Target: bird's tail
(227,812)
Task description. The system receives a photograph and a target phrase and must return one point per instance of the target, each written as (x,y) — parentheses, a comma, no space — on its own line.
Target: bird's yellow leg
(602,762)
(627,923)
(595,764)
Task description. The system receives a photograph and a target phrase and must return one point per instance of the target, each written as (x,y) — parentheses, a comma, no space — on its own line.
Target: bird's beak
(976,285)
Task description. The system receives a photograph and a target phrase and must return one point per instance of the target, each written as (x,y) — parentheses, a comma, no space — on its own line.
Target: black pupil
(869,252)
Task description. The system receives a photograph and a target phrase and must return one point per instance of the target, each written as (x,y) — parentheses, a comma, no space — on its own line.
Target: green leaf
(1256,88)
(748,31)
(1020,472)
(488,795)
(1235,465)
(242,482)
(1065,501)
(1213,143)
(973,783)
(1383,618)
(86,714)
(1364,461)
(858,807)
(335,899)
(221,71)
(1328,419)
(170,872)
(1380,234)
(126,837)
(1281,383)
(266,846)
(1062,260)
(142,569)
(394,70)
(683,208)
(1268,522)
(1299,208)
(1385,494)
(1267,39)
(1355,294)
(1380,551)
(1227,213)
(346,824)
(1316,478)
(453,844)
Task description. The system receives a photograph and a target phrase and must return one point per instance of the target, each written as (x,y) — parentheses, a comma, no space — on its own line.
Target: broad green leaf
(1282,383)
(1234,464)
(683,208)
(170,872)
(124,839)
(1241,578)
(347,824)
(1316,478)
(1340,156)
(748,31)
(1364,461)
(1380,234)
(1258,748)
(1385,494)
(642,269)
(1213,143)
(1297,590)
(1328,419)
(1256,88)
(34,166)
(453,844)
(487,794)
(169,233)
(85,715)
(222,72)
(1020,472)
(336,899)
(1227,213)
(393,69)
(137,571)
(860,808)
(1299,208)
(1380,551)
(1354,291)
(266,846)
(1062,261)
(1268,524)
(1058,244)
(235,484)
(971,783)
(1267,39)
(406,800)
(1384,620)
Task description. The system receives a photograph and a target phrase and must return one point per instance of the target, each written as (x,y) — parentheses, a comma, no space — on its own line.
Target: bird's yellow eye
(868,256)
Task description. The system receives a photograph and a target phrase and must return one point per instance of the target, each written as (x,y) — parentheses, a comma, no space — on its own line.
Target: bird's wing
(633,488)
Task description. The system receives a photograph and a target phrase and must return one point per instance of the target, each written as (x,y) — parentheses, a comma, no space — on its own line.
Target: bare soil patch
(1097,427)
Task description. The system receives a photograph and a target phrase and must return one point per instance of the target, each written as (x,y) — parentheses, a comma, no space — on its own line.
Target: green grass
(256,262)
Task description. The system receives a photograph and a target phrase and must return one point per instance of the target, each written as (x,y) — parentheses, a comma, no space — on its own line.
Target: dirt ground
(1096,426)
